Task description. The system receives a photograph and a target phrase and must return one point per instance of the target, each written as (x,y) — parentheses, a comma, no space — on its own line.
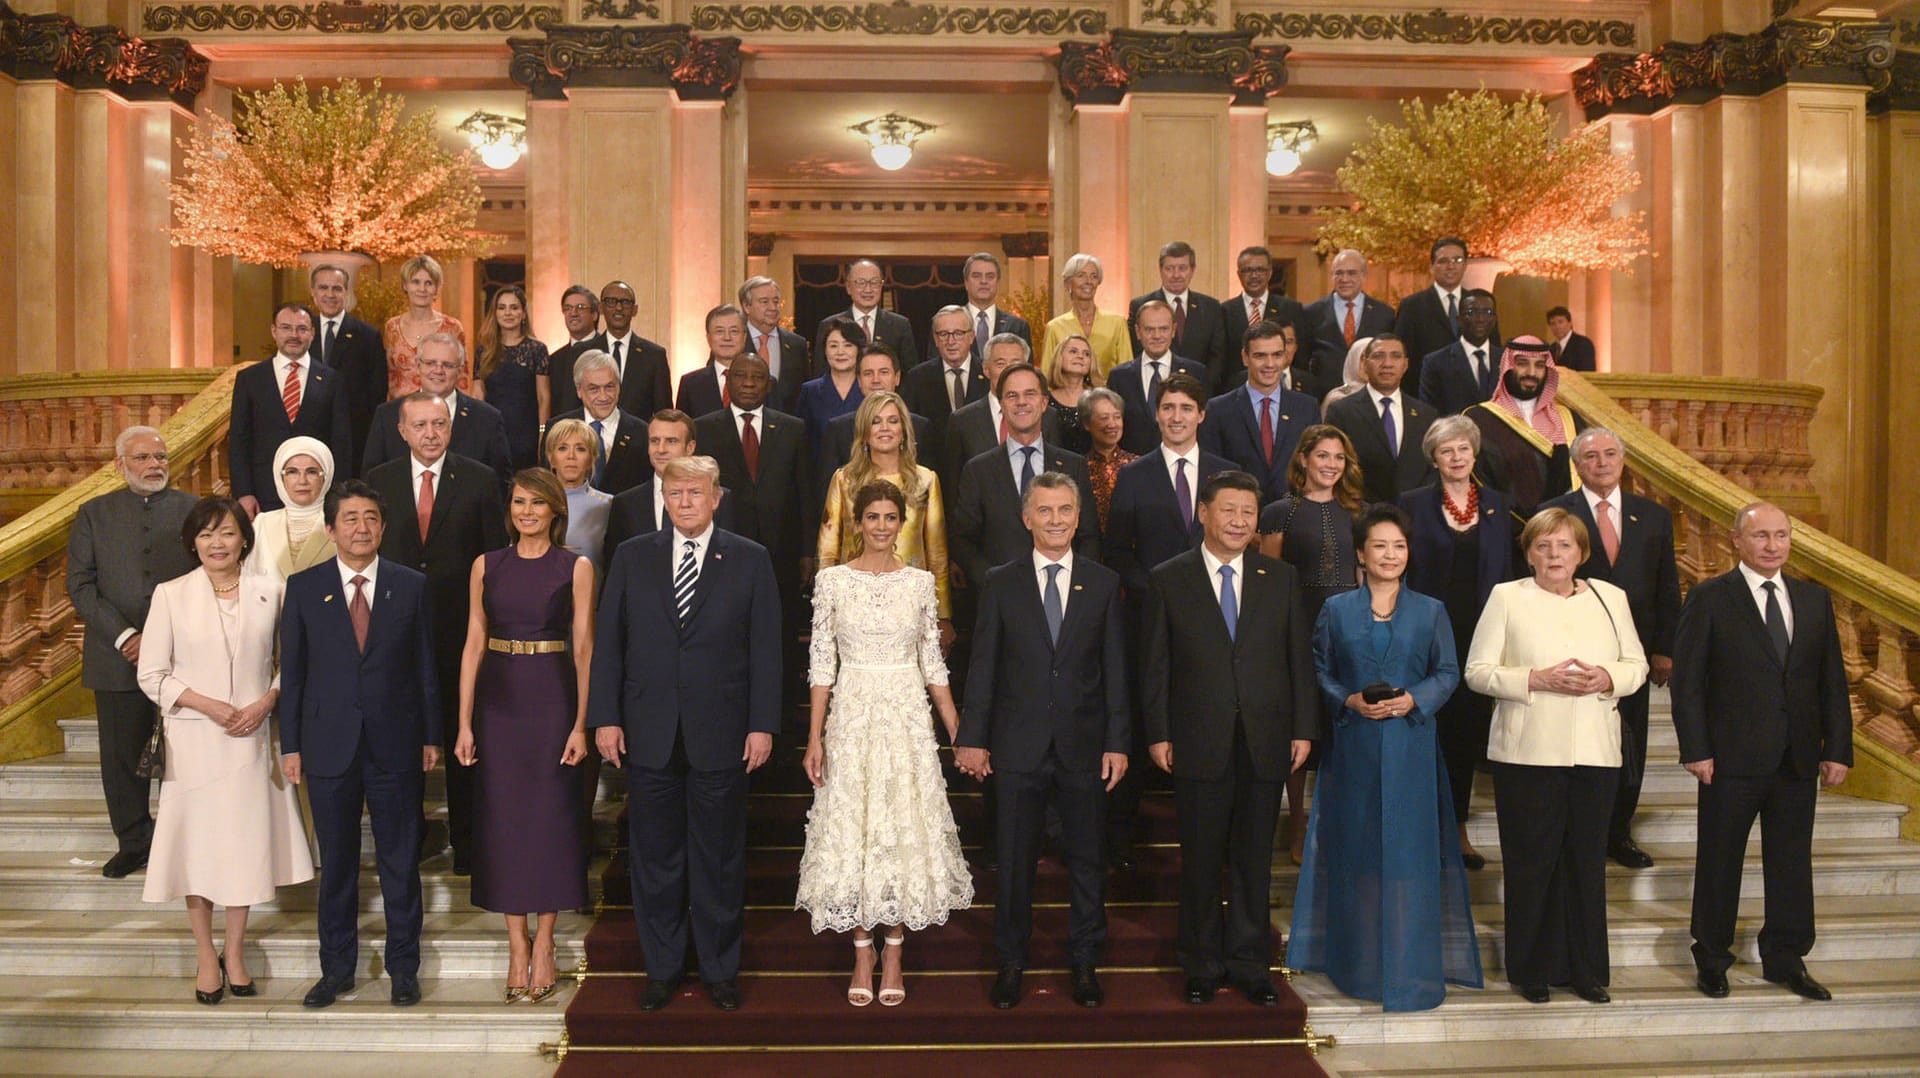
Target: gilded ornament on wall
(625,56)
(619,10)
(348,18)
(1102,72)
(1737,63)
(900,17)
(1438,27)
(55,46)
(1178,12)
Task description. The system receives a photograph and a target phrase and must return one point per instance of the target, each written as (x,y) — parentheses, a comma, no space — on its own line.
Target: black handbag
(153,755)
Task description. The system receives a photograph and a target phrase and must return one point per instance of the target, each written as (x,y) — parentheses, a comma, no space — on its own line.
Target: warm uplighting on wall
(891,137)
(1286,142)
(499,140)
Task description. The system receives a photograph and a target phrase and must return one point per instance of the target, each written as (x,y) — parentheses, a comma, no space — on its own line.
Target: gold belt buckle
(520,647)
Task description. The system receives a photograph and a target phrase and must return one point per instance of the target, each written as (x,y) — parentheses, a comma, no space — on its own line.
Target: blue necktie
(1026,468)
(1387,428)
(1050,602)
(1229,606)
(600,465)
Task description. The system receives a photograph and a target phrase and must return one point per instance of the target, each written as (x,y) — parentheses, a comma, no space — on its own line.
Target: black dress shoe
(1712,985)
(725,995)
(1592,993)
(659,993)
(1086,987)
(326,990)
(1005,994)
(1801,983)
(1532,993)
(1201,989)
(124,864)
(406,989)
(1627,852)
(462,864)
(1262,993)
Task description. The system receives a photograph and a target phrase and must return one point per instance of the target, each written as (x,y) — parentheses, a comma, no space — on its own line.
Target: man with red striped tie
(285,396)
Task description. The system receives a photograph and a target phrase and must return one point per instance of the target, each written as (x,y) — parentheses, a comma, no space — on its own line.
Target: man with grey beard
(123,543)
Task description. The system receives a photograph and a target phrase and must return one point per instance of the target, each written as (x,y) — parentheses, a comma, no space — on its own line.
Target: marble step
(76,776)
(157,943)
(189,1063)
(158,1013)
(1648,1001)
(1886,1054)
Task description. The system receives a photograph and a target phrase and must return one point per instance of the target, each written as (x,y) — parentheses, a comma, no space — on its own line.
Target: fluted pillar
(1894,139)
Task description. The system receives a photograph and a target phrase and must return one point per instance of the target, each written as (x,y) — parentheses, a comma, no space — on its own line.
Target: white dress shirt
(1444,294)
(437,468)
(1486,356)
(1180,301)
(700,543)
(1065,582)
(1613,506)
(993,408)
(1754,580)
(371,572)
(452,401)
(740,422)
(1192,457)
(1238,565)
(1147,372)
(1399,414)
(1266,304)
(626,353)
(333,323)
(280,365)
(974,313)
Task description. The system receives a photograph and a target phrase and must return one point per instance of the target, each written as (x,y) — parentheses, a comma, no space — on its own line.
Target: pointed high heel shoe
(240,991)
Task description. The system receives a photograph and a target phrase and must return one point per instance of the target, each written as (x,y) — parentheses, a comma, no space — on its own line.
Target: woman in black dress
(1069,372)
(512,374)
(1312,530)
(1461,546)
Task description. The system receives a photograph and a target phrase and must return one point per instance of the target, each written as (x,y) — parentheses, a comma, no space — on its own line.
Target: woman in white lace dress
(881,848)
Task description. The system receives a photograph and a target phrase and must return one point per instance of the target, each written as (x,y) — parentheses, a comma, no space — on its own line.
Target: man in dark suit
(1334,322)
(1257,302)
(1430,319)
(360,711)
(982,425)
(1761,707)
(447,510)
(1632,546)
(1199,329)
(1386,424)
(949,382)
(1136,380)
(580,309)
(285,396)
(1466,371)
(1048,716)
(876,371)
(122,544)
(642,508)
(353,348)
(784,350)
(865,286)
(1257,426)
(1570,349)
(646,378)
(706,389)
(479,433)
(623,440)
(981,275)
(685,693)
(1230,705)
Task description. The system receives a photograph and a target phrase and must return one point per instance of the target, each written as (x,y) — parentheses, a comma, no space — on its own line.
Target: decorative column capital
(1102,72)
(100,57)
(1789,50)
(1026,244)
(703,68)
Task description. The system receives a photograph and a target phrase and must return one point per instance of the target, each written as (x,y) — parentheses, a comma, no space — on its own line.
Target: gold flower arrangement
(1495,174)
(340,169)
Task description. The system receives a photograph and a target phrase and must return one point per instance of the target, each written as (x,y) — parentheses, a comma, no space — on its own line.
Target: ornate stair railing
(39,629)
(1878,608)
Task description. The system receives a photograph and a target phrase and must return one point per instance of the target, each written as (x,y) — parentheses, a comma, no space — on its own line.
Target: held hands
(975,762)
(576,749)
(759,747)
(1162,754)
(1570,677)
(463,748)
(1393,707)
(611,742)
(1113,768)
(815,761)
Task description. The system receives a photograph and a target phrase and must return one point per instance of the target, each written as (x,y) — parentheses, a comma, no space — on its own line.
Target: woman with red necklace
(1462,545)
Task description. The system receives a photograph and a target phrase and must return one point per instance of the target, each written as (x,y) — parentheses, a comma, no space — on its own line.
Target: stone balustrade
(58,429)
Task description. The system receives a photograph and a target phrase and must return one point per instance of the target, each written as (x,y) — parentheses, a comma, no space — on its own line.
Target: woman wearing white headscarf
(1353,379)
(293,538)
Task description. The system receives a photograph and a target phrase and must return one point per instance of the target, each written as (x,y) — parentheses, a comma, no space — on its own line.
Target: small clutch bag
(1379,691)
(153,755)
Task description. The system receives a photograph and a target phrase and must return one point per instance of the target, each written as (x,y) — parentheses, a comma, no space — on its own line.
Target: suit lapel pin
(326,598)
(1632,519)
(1284,417)
(1077,587)
(1261,572)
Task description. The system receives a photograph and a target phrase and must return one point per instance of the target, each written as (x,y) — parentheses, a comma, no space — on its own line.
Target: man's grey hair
(120,441)
(459,350)
(951,308)
(1597,431)
(1026,350)
(751,283)
(692,468)
(588,362)
(1050,481)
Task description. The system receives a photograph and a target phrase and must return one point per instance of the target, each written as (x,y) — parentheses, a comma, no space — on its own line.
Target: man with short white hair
(122,544)
(478,431)
(784,350)
(623,441)
(1335,321)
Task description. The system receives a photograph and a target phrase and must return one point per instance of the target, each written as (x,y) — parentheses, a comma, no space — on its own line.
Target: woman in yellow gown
(883,448)
(1104,330)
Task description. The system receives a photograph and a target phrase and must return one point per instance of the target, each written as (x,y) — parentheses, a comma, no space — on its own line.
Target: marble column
(1180,158)
(1246,195)
(1623,326)
(1103,195)
(43,206)
(619,197)
(549,265)
(1895,139)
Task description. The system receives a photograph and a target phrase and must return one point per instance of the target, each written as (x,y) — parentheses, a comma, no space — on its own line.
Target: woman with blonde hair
(883,448)
(1104,330)
(1069,371)
(572,453)
(420,278)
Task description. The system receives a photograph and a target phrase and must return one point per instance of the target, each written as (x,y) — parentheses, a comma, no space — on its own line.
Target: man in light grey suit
(123,543)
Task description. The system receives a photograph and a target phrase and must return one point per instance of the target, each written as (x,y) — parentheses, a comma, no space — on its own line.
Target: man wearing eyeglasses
(865,285)
(1429,320)
(478,431)
(646,380)
(580,309)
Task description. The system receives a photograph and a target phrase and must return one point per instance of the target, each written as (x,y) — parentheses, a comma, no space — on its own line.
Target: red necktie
(726,399)
(290,393)
(1346,328)
(424,505)
(360,612)
(1254,315)
(1266,428)
(750,446)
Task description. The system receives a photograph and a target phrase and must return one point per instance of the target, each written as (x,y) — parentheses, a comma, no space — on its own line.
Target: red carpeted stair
(794,1018)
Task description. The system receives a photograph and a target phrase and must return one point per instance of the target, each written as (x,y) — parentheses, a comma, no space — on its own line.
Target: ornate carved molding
(1229,62)
(705,68)
(619,10)
(1179,13)
(1438,27)
(1903,90)
(760,244)
(1026,244)
(1788,50)
(900,17)
(349,17)
(100,57)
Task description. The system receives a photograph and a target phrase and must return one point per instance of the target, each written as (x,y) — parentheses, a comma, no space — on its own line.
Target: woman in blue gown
(1382,907)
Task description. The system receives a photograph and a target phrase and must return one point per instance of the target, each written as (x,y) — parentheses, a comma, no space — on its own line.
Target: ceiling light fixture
(1286,142)
(892,137)
(499,140)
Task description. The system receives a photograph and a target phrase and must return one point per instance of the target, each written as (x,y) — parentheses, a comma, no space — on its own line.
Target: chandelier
(891,138)
(499,140)
(1286,142)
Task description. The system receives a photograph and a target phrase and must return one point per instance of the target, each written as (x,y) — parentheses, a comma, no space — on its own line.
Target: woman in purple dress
(523,696)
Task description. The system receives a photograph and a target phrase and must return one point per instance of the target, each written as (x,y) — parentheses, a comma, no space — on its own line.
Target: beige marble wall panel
(9,237)
(1674,230)
(619,194)
(699,281)
(1101,133)
(1735,253)
(549,269)
(43,196)
(99,189)
(1063,175)
(1179,169)
(1624,325)
(733,194)
(1896,283)
(1246,195)
(1696,20)
(157,335)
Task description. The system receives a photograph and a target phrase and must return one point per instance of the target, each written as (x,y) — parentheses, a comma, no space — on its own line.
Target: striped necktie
(683,580)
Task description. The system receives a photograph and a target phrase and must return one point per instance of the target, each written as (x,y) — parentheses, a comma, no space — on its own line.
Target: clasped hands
(240,721)
(1393,707)
(1571,677)
(978,763)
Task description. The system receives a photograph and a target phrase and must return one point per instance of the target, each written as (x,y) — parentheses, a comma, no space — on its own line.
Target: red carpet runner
(794,1018)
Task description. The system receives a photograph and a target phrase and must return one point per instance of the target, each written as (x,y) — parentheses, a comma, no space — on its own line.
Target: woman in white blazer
(1556,654)
(228,828)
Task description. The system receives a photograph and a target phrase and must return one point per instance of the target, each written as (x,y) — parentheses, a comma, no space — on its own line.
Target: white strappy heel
(859,995)
(893,997)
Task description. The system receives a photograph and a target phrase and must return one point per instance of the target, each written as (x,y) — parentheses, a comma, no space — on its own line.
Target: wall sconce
(1286,142)
(892,137)
(499,140)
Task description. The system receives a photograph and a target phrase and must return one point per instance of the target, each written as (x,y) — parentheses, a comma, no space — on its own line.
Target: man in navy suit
(1386,424)
(944,385)
(353,348)
(1048,716)
(645,376)
(623,440)
(1199,328)
(642,508)
(1257,302)
(1257,426)
(360,722)
(784,350)
(1466,371)
(704,391)
(1136,379)
(685,691)
(286,396)
(1432,318)
(981,275)
(1571,350)
(478,431)
(1333,322)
